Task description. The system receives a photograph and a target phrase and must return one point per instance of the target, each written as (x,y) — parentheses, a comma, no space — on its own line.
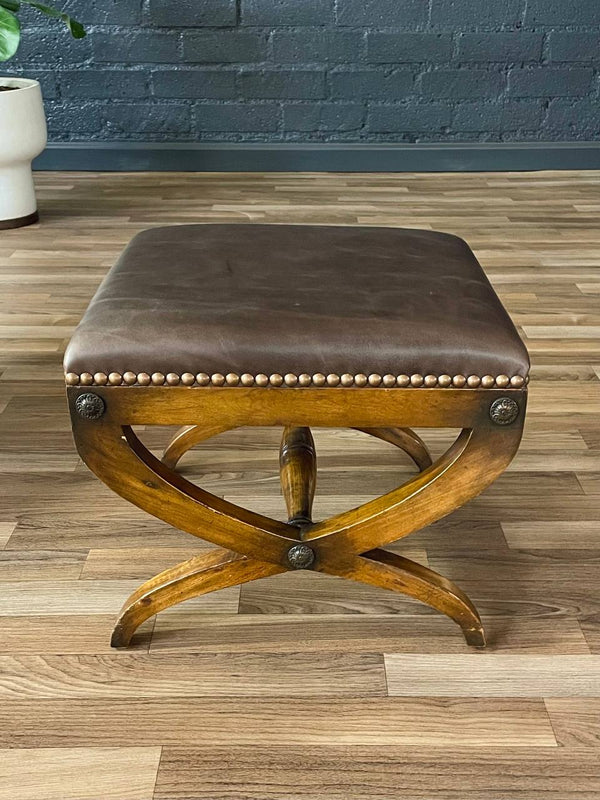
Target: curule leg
(406,440)
(202,574)
(390,571)
(186,438)
(298,469)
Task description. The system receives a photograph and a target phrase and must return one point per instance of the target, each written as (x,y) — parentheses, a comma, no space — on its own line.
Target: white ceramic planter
(22,138)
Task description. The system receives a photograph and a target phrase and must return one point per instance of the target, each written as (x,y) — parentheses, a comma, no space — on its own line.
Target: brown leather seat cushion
(296,299)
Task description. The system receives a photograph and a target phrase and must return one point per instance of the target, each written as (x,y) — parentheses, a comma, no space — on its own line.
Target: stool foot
(475,637)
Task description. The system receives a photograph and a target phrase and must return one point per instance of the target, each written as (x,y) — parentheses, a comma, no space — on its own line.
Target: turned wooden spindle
(298,470)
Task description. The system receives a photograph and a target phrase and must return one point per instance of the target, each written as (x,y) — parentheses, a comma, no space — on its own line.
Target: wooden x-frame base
(252,546)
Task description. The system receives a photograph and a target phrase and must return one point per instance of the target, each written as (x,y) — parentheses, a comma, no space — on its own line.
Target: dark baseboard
(314,157)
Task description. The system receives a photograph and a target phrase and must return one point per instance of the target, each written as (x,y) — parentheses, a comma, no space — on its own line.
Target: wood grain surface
(304,686)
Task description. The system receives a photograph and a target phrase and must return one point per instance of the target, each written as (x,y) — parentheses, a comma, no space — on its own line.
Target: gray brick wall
(320,70)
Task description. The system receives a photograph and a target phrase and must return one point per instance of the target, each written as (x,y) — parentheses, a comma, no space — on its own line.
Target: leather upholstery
(296,299)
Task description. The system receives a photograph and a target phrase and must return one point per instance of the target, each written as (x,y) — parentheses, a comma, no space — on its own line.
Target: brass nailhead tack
(290,379)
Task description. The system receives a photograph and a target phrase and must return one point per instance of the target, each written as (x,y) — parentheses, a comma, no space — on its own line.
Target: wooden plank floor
(303,687)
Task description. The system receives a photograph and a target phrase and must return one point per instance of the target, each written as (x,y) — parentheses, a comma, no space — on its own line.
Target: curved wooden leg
(186,438)
(390,571)
(407,440)
(298,470)
(348,545)
(208,572)
(404,438)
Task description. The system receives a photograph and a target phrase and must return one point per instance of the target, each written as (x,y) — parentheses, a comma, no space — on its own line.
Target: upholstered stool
(212,327)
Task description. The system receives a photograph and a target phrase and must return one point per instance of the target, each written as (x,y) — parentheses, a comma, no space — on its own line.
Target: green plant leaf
(10,34)
(76,28)
(11,5)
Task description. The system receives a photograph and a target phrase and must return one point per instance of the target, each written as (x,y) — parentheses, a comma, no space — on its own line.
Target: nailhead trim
(318,379)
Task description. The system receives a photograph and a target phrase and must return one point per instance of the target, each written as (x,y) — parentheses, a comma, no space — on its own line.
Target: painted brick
(147,118)
(462,83)
(578,117)
(469,14)
(78,118)
(412,118)
(388,13)
(51,47)
(323,117)
(226,47)
(304,47)
(103,84)
(210,84)
(139,47)
(571,46)
(352,70)
(549,82)
(285,84)
(286,12)
(497,117)
(559,12)
(507,47)
(377,84)
(192,13)
(240,117)
(106,12)
(399,48)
